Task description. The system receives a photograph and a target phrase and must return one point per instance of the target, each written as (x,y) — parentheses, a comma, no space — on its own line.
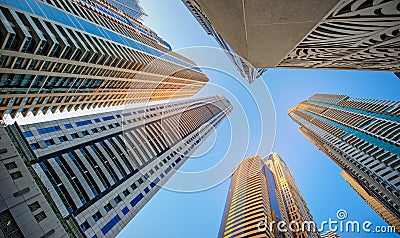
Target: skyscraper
(294,206)
(64,55)
(359,135)
(262,195)
(130,7)
(99,170)
(245,68)
(384,213)
(334,34)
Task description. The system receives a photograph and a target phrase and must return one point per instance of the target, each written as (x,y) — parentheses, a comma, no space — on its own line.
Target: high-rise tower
(97,171)
(362,136)
(264,201)
(245,68)
(65,55)
(130,7)
(383,212)
(330,34)
(294,206)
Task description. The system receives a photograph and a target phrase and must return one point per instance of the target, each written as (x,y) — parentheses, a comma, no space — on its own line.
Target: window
(75,135)
(85,133)
(108,118)
(11,165)
(117,199)
(126,192)
(49,142)
(83,123)
(97,120)
(85,226)
(49,130)
(94,130)
(34,206)
(97,216)
(110,224)
(68,126)
(140,181)
(28,134)
(108,207)
(134,186)
(40,216)
(125,210)
(63,138)
(16,175)
(136,200)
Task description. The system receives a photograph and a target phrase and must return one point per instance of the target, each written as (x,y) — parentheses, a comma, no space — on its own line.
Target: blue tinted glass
(110,224)
(68,126)
(125,210)
(136,199)
(108,118)
(83,123)
(28,134)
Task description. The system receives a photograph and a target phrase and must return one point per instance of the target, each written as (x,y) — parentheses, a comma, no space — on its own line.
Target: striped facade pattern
(372,202)
(294,205)
(263,191)
(362,136)
(248,201)
(101,169)
(59,55)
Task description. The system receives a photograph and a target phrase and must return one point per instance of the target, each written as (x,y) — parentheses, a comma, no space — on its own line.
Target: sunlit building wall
(59,55)
(263,194)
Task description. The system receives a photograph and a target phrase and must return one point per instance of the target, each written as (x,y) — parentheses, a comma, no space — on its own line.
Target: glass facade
(107,166)
(361,136)
(263,192)
(62,55)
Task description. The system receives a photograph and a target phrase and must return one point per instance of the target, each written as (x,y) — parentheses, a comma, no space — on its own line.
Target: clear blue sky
(198,214)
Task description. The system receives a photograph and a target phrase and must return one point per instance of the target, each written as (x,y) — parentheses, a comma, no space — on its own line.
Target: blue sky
(198,214)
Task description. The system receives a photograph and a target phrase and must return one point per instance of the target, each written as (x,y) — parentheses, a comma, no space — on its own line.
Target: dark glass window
(75,135)
(126,192)
(108,207)
(11,165)
(117,199)
(97,216)
(85,226)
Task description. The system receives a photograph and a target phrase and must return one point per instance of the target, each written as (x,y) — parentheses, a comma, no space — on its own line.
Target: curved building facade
(66,55)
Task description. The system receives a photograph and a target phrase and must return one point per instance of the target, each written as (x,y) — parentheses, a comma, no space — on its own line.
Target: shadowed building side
(359,135)
(331,34)
(98,171)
